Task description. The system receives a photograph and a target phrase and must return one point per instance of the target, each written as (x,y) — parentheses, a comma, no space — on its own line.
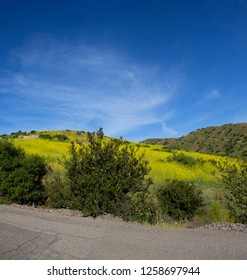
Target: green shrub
(45,136)
(107,176)
(183,159)
(57,190)
(61,137)
(21,175)
(180,199)
(56,137)
(235,180)
(142,207)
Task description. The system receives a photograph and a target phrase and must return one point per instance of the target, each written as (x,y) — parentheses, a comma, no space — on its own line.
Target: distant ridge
(228,140)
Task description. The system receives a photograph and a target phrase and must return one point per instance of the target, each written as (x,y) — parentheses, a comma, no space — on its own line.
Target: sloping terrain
(198,168)
(227,140)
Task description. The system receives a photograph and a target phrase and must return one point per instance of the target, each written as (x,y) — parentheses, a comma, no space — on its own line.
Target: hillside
(227,140)
(165,166)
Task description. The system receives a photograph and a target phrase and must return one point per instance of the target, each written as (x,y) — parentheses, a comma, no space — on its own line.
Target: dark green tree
(100,133)
(107,176)
(21,175)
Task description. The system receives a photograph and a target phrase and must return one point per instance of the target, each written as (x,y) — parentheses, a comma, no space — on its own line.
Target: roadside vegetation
(139,182)
(21,175)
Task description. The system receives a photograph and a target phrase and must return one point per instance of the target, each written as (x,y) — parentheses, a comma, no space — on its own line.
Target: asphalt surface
(31,234)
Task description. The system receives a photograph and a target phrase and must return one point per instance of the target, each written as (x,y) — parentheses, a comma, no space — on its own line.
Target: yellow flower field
(161,169)
(204,172)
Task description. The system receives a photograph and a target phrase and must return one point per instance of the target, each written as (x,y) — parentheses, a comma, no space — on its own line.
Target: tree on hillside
(108,176)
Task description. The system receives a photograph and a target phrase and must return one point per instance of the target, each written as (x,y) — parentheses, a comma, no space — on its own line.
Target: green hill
(201,169)
(227,140)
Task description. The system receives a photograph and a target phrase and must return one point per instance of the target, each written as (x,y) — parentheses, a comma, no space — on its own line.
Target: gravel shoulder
(229,227)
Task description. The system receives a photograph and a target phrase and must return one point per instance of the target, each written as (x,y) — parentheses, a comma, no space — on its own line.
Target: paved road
(31,234)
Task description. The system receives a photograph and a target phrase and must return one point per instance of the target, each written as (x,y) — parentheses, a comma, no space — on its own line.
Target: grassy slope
(229,140)
(161,169)
(53,151)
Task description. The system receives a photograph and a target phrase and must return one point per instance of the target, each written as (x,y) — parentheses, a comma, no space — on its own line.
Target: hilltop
(226,140)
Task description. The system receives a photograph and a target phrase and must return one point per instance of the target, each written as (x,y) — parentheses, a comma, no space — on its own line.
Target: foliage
(180,199)
(4,200)
(218,212)
(143,206)
(45,136)
(56,137)
(61,137)
(235,179)
(184,159)
(57,190)
(21,175)
(106,176)
(17,134)
(205,173)
(229,139)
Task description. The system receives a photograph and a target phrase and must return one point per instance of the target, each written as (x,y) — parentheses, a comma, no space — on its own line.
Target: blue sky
(137,68)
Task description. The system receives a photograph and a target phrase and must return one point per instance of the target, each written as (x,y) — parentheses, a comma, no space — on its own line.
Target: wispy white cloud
(213,94)
(209,96)
(86,87)
(168,131)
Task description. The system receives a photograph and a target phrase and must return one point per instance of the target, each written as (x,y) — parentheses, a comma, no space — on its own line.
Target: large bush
(107,176)
(235,180)
(21,175)
(180,199)
(184,159)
